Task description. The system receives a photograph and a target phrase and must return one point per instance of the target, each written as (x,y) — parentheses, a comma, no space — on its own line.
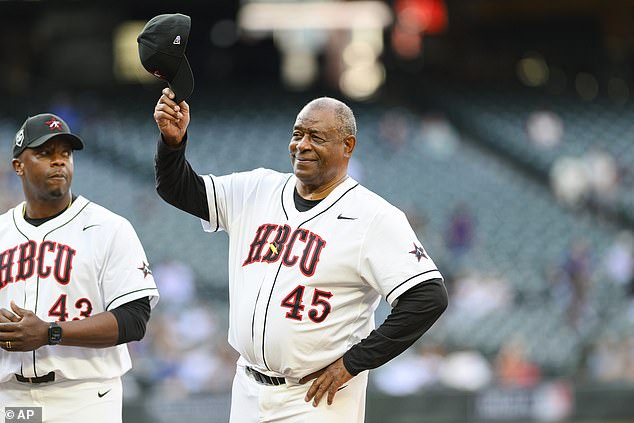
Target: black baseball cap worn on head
(162,46)
(38,129)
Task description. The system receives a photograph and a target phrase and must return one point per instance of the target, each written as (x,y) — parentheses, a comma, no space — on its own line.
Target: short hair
(346,122)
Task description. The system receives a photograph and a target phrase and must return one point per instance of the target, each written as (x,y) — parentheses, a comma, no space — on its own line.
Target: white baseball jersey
(83,262)
(304,285)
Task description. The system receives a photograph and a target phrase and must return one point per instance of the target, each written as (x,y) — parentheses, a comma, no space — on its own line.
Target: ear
(349,143)
(18,166)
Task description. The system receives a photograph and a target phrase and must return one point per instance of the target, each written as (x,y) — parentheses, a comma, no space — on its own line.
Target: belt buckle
(49,377)
(259,377)
(253,374)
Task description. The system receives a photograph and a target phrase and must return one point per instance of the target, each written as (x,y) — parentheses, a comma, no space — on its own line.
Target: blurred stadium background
(504,128)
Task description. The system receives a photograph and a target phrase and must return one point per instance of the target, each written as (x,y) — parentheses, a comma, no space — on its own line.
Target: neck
(317,193)
(40,209)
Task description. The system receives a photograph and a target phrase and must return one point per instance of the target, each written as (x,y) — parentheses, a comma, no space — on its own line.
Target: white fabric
(252,402)
(357,247)
(88,257)
(68,401)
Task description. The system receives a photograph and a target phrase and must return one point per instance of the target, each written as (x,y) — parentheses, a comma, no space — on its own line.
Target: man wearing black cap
(75,287)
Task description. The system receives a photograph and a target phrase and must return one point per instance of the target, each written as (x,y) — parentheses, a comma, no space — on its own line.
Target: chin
(302,175)
(58,193)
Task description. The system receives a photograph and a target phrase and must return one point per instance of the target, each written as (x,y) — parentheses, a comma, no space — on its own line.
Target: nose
(304,143)
(58,159)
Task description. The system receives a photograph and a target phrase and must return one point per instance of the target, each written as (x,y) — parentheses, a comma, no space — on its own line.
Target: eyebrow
(312,130)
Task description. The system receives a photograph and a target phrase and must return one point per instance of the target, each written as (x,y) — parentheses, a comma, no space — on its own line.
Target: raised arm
(176,181)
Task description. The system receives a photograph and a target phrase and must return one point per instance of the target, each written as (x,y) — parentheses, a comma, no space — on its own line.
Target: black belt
(264,379)
(46,378)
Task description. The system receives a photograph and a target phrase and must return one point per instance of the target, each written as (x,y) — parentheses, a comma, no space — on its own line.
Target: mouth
(57,176)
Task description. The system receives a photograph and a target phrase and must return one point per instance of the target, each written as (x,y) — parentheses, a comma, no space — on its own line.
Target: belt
(50,377)
(264,379)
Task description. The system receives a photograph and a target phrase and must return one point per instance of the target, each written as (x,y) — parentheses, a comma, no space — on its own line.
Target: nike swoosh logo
(89,226)
(346,217)
(100,395)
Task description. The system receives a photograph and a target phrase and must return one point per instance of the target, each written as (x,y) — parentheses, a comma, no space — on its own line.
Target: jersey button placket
(261,312)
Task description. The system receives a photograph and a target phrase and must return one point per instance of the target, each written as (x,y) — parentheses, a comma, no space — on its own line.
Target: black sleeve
(416,311)
(132,319)
(176,181)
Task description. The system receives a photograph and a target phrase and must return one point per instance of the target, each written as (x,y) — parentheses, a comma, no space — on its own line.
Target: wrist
(173,143)
(349,367)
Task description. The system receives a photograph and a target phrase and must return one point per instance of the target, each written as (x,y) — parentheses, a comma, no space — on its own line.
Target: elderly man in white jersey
(311,253)
(75,287)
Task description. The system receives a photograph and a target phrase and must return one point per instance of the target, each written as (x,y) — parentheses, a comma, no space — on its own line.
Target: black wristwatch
(54,334)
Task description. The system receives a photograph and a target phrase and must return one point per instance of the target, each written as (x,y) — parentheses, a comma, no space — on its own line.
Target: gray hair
(346,122)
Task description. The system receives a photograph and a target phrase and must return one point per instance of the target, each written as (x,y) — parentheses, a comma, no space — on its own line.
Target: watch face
(54,334)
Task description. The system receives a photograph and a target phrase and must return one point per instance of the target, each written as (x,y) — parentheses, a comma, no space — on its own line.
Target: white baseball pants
(68,401)
(253,402)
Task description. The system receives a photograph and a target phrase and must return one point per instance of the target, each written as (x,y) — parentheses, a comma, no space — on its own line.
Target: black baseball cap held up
(39,129)
(162,46)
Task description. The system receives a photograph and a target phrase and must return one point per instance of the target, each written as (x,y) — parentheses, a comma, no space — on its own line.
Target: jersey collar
(289,204)
(31,231)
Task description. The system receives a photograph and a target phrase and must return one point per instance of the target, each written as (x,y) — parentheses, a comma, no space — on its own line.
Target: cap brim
(183,82)
(75,141)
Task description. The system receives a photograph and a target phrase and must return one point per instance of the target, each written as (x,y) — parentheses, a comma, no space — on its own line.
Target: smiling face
(46,171)
(319,148)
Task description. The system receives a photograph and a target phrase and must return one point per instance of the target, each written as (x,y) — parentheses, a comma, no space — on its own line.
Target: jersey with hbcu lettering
(83,262)
(304,286)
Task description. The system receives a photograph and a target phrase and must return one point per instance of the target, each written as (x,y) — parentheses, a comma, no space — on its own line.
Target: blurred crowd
(185,351)
(592,179)
(9,187)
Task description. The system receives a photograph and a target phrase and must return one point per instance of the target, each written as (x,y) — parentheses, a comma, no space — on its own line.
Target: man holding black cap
(75,287)
(311,254)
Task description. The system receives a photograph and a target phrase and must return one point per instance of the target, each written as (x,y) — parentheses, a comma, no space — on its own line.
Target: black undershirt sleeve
(416,311)
(176,181)
(132,319)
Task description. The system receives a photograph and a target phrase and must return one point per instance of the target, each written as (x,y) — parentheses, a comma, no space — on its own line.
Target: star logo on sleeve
(145,268)
(419,252)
